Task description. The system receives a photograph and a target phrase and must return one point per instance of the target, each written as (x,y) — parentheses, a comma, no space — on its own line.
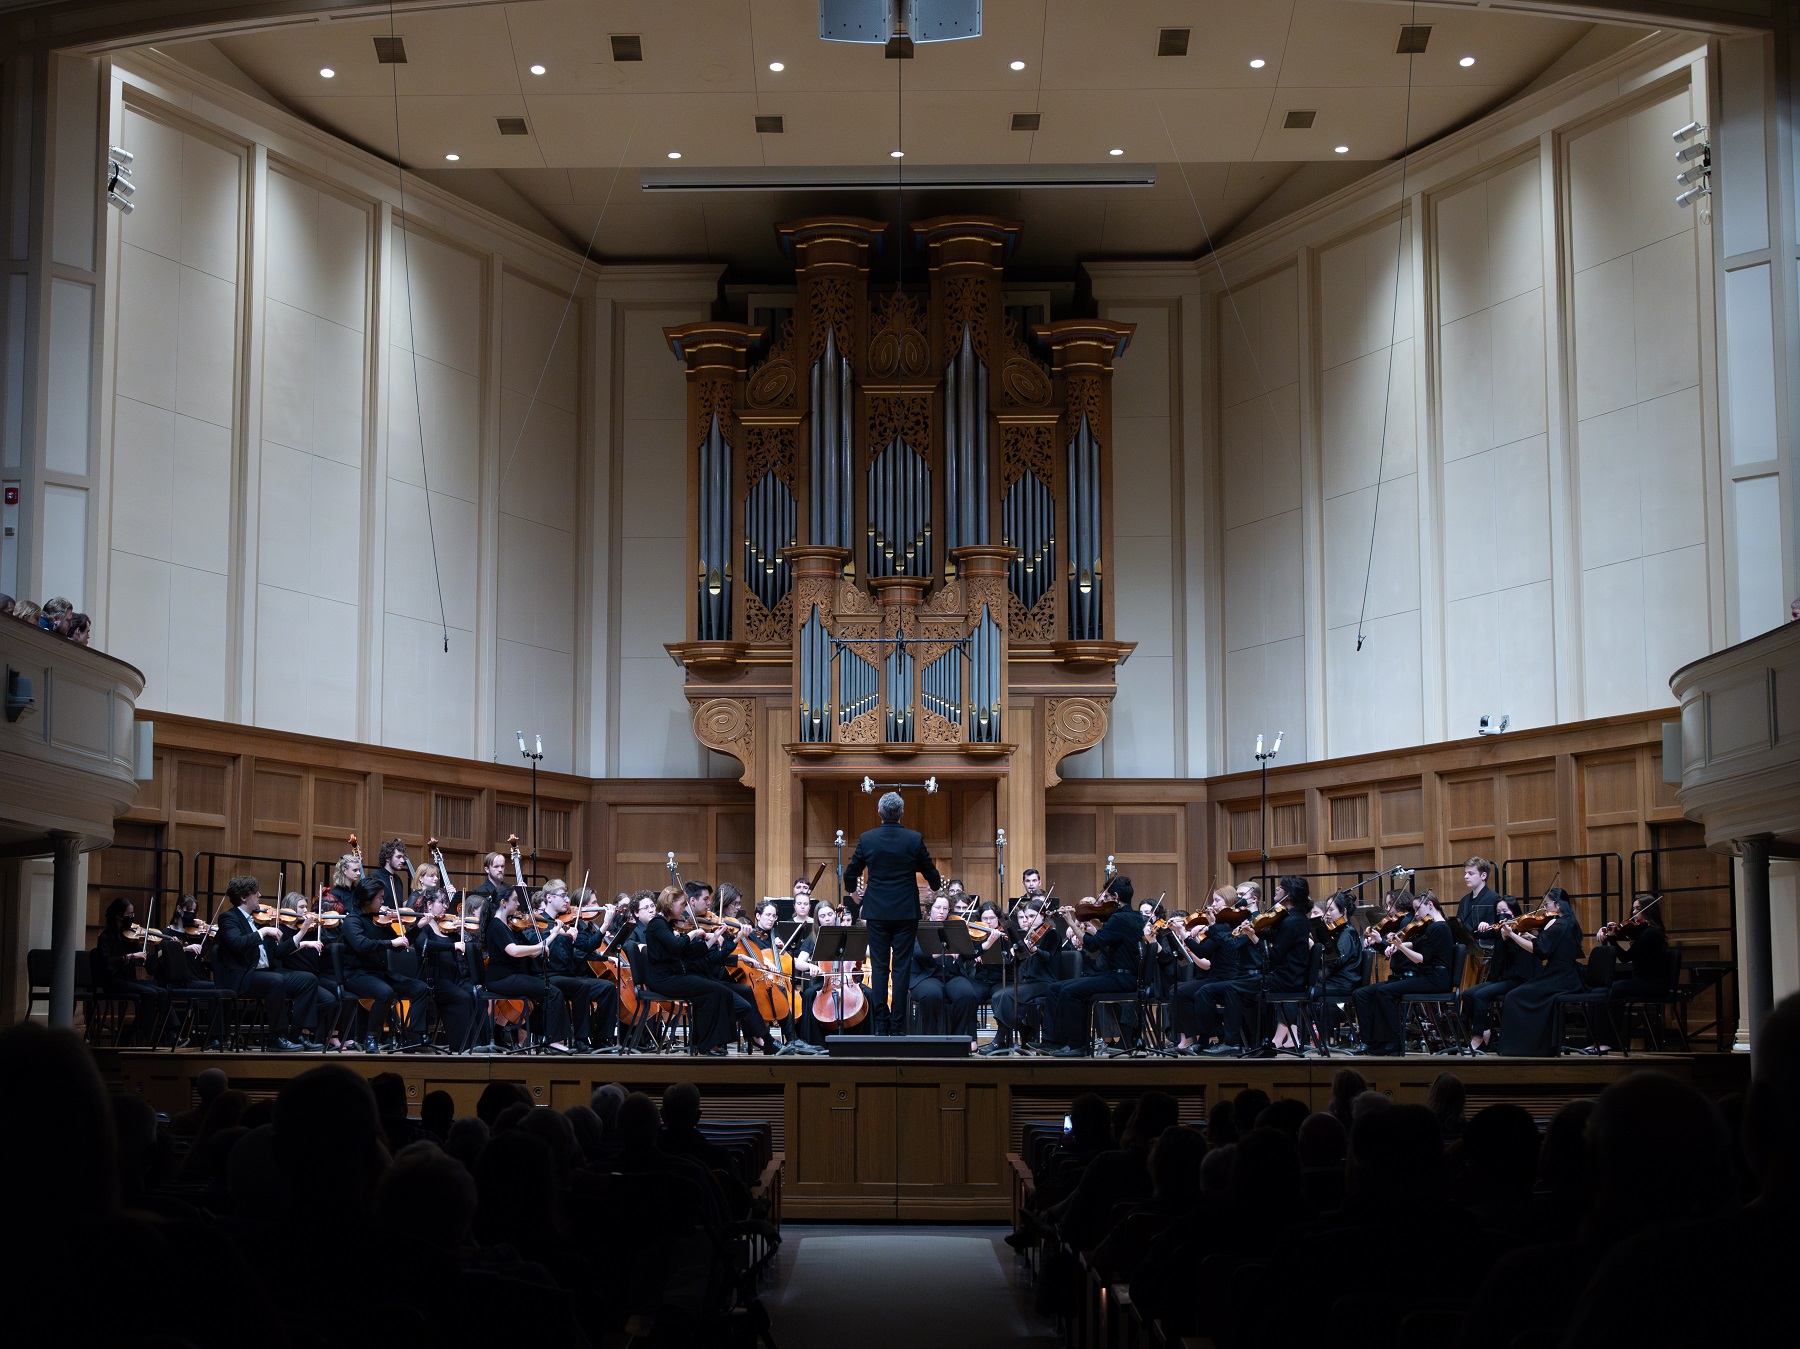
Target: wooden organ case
(900,548)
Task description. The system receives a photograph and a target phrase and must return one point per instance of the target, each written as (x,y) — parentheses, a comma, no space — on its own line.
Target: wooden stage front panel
(923,1139)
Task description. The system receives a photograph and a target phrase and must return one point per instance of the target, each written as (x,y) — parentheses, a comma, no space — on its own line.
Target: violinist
(1114,946)
(809,977)
(514,958)
(121,952)
(369,975)
(1420,953)
(1479,909)
(1341,970)
(443,949)
(676,961)
(570,944)
(1641,968)
(182,969)
(1216,952)
(946,996)
(1529,1023)
(1038,954)
(700,898)
(1505,970)
(246,962)
(1285,967)
(992,948)
(307,950)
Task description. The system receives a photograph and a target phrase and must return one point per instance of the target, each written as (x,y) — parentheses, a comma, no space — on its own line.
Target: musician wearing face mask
(442,945)
(570,944)
(1036,954)
(1505,970)
(1421,955)
(1114,946)
(1218,955)
(123,951)
(368,976)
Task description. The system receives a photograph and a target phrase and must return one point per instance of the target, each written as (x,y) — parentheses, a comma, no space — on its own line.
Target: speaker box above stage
(897,1046)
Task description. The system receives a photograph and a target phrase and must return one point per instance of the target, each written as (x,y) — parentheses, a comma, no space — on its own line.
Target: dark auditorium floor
(900,1287)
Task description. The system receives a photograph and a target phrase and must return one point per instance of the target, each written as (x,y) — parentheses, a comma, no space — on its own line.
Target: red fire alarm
(12,496)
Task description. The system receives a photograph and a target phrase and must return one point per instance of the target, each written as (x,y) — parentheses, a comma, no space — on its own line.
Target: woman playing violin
(1216,952)
(1528,1025)
(1641,968)
(1037,953)
(1420,954)
(122,951)
(443,948)
(1507,968)
(367,974)
(569,945)
(947,998)
(309,952)
(1342,968)
(676,962)
(512,962)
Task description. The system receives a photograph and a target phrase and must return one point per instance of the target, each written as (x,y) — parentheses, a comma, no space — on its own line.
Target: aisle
(900,1287)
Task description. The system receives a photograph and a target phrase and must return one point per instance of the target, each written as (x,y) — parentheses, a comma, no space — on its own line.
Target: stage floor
(869,1139)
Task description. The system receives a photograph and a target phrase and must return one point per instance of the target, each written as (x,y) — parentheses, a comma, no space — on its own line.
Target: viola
(141,935)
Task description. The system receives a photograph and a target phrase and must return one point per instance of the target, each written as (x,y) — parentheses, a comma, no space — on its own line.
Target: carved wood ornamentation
(714,394)
(774,383)
(966,300)
(728,725)
(1081,393)
(833,305)
(763,625)
(862,730)
(771,450)
(1070,725)
(931,729)
(895,351)
(1036,625)
(905,415)
(1024,448)
(1023,380)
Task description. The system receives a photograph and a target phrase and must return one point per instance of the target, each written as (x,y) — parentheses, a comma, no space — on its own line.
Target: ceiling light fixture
(326,73)
(1466,62)
(453,157)
(867,177)
(1018,65)
(537,70)
(1342,150)
(777,67)
(1258,63)
(896,154)
(674,154)
(1115,151)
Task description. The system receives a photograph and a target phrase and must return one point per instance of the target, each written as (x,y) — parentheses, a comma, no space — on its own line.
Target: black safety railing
(1654,871)
(161,878)
(1528,878)
(1324,884)
(213,869)
(464,881)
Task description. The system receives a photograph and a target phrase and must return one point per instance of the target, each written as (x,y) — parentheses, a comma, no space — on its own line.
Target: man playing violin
(569,944)
(245,961)
(1114,947)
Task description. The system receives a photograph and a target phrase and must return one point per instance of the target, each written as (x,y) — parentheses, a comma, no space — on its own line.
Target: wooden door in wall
(958,822)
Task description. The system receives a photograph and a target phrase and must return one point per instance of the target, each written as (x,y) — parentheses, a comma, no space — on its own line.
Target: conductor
(891,854)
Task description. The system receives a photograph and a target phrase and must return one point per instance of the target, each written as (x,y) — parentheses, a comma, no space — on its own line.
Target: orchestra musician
(1641,967)
(1218,955)
(677,964)
(345,876)
(1114,947)
(1506,968)
(369,975)
(988,970)
(1037,955)
(947,997)
(1529,1023)
(120,958)
(1285,966)
(1479,909)
(1033,881)
(310,952)
(1341,971)
(892,855)
(803,899)
(245,963)
(392,869)
(570,944)
(513,959)
(1420,954)
(442,945)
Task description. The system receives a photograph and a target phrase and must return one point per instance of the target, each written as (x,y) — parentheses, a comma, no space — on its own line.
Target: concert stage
(873,1139)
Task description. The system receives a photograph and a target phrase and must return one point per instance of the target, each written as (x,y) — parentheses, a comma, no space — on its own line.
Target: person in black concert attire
(392,869)
(987,971)
(514,959)
(246,962)
(1507,967)
(1341,972)
(119,959)
(762,936)
(493,883)
(443,949)
(1285,965)
(181,968)
(1478,910)
(677,963)
(1019,1004)
(892,855)
(345,876)
(947,997)
(1218,954)
(1421,965)
(1641,968)
(309,952)
(594,1002)
(1115,947)
(366,971)
(1529,1023)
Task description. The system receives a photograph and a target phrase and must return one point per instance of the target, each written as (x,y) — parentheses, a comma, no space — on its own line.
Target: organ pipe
(714,536)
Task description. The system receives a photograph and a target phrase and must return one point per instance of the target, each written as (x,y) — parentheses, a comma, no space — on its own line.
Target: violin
(1264,921)
(1234,917)
(140,934)
(1529,922)
(1092,910)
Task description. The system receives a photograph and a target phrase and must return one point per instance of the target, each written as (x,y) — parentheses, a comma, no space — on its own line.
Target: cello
(769,972)
(841,1001)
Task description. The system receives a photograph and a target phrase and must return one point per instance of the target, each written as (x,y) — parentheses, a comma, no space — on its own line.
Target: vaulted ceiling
(1212,125)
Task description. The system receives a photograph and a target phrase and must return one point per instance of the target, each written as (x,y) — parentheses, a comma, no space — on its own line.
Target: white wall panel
(1761,603)
(1749,367)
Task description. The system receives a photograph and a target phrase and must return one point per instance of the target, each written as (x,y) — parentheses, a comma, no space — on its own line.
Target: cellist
(775,991)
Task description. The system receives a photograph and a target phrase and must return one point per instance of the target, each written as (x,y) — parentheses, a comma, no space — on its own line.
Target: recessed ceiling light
(777,67)
(1115,151)
(674,154)
(1018,65)
(326,73)
(1466,61)
(453,158)
(1342,150)
(537,70)
(1258,63)
(896,154)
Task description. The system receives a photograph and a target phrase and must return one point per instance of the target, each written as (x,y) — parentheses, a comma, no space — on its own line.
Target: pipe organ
(915,492)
